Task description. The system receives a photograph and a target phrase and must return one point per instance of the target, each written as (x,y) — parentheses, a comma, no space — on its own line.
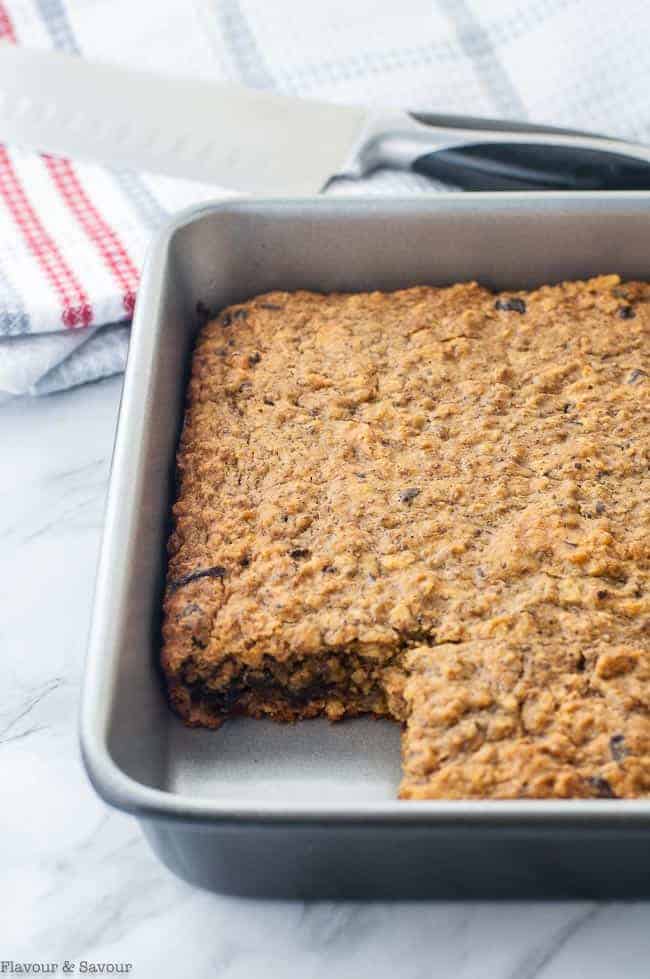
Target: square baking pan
(310,810)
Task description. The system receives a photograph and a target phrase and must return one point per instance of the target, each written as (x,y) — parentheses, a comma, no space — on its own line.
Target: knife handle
(485,124)
(498,154)
(534,166)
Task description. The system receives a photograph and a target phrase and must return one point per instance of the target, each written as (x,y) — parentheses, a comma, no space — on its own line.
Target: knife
(263,142)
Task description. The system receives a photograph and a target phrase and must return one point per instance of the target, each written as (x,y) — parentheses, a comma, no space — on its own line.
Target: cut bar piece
(502,719)
(430,505)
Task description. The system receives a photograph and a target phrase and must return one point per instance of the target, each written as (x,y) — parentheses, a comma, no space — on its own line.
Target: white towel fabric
(73,235)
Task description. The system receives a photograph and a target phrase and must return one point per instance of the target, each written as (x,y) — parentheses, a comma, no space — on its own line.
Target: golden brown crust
(401,502)
(499,718)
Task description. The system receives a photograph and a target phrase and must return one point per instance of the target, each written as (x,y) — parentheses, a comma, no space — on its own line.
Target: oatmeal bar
(429,505)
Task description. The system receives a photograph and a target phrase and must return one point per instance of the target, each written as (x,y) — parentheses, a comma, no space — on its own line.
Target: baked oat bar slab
(430,505)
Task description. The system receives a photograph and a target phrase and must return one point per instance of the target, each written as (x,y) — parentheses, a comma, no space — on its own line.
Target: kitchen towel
(73,235)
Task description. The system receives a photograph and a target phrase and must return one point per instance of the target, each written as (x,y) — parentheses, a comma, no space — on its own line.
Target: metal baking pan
(309,811)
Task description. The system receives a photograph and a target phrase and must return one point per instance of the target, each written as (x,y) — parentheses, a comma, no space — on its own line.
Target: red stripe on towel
(106,240)
(7,32)
(77,310)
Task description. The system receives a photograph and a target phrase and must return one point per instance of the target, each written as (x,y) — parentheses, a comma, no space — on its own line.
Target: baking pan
(309,811)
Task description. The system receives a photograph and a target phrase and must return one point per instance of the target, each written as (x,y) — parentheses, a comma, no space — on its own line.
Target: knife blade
(214,132)
(263,142)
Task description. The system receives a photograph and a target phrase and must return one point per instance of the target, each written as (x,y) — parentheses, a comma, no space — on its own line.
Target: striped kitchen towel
(73,235)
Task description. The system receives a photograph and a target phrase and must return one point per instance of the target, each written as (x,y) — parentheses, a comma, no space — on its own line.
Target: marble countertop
(78,881)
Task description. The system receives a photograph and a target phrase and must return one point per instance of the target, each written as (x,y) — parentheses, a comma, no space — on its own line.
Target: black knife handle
(534,166)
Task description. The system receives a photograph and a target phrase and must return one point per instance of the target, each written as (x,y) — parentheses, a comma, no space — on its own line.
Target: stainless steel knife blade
(210,131)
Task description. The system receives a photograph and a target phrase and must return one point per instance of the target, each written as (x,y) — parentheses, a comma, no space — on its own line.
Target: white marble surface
(78,881)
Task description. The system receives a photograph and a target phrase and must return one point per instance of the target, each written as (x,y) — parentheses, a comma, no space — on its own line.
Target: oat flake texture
(431,505)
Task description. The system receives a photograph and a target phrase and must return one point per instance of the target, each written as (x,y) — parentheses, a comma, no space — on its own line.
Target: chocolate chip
(267,401)
(299,552)
(217,571)
(190,609)
(617,747)
(328,569)
(581,664)
(602,787)
(254,359)
(626,313)
(233,314)
(635,375)
(512,305)
(408,495)
(600,507)
(602,595)
(245,561)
